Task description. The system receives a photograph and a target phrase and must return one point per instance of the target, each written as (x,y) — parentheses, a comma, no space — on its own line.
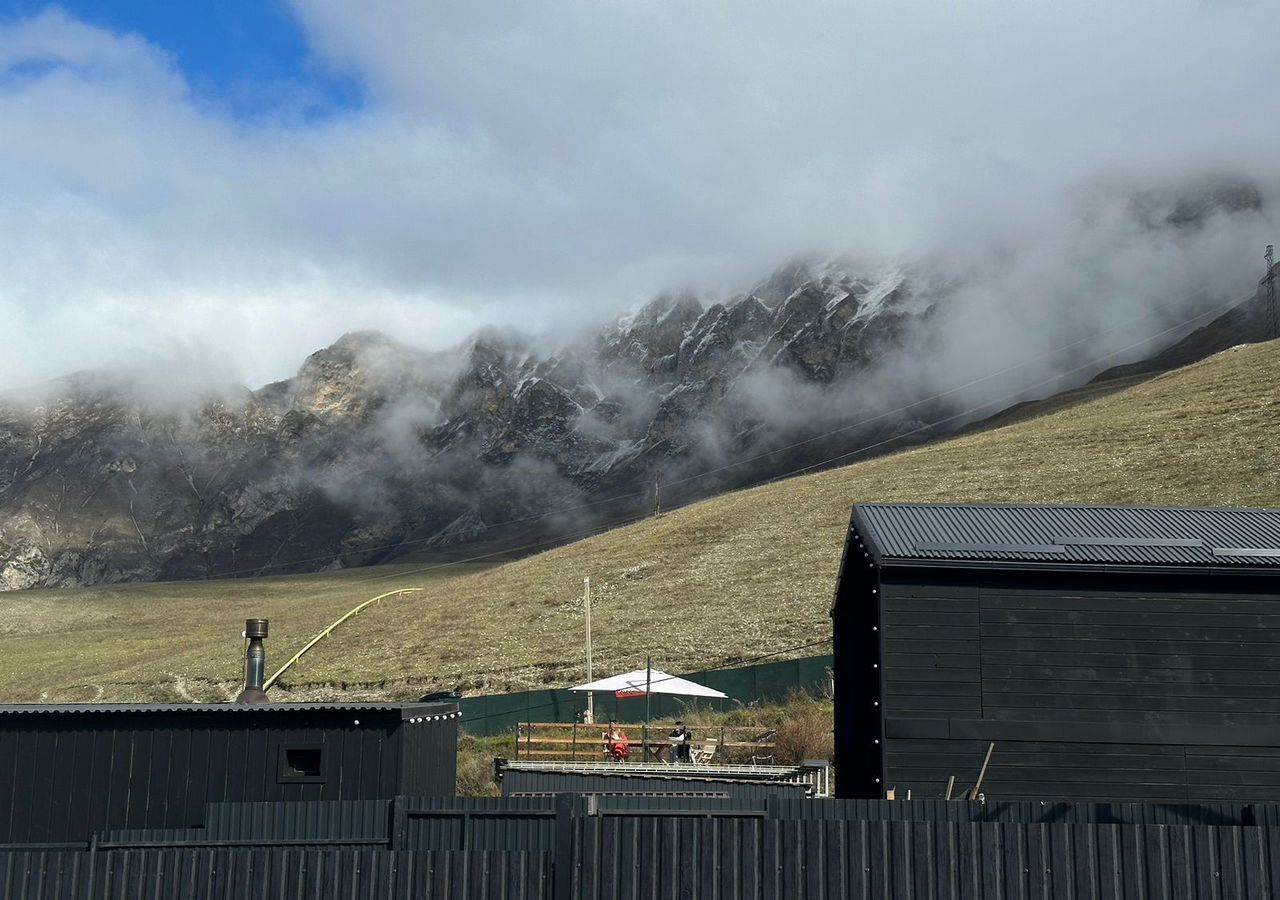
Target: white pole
(591,705)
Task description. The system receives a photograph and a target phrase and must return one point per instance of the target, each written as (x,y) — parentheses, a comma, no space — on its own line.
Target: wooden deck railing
(577,741)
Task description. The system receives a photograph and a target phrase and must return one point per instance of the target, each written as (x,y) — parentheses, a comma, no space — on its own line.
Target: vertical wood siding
(1143,690)
(65,776)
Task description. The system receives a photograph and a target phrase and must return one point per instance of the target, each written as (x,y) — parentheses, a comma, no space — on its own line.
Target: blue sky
(246,57)
(251,178)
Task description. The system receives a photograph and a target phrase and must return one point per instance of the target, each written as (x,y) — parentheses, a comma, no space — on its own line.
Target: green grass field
(729,578)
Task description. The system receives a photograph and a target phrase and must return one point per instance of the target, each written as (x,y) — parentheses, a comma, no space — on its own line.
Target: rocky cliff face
(375,448)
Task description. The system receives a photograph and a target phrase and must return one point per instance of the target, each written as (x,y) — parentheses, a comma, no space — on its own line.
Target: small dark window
(301,762)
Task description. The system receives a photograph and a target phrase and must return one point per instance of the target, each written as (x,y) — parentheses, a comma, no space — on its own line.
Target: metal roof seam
(1110,535)
(236,708)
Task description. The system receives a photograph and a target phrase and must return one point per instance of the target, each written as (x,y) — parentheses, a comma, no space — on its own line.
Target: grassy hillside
(175,641)
(736,576)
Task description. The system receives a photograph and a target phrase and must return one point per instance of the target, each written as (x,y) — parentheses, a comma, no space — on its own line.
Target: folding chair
(702,753)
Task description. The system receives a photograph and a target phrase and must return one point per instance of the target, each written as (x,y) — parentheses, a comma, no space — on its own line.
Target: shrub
(806,734)
(475,764)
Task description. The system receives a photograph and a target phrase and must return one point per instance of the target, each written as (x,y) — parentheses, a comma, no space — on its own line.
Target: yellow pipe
(315,640)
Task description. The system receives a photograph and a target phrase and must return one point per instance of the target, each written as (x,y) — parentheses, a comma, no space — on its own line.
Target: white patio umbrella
(647,681)
(642,683)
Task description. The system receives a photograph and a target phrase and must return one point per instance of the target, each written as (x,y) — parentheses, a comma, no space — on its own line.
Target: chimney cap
(255,628)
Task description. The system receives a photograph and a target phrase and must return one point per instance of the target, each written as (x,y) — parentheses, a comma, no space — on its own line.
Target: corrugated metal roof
(1108,535)
(404,710)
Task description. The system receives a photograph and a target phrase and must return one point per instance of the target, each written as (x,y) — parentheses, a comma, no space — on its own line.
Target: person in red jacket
(616,743)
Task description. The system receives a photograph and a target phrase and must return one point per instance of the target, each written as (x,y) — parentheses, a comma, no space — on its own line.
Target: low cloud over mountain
(548,164)
(375,448)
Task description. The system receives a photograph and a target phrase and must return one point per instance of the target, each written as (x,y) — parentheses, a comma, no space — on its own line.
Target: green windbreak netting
(761,683)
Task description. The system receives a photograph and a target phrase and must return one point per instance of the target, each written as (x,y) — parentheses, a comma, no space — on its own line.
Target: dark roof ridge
(1124,506)
(1069,534)
(405,709)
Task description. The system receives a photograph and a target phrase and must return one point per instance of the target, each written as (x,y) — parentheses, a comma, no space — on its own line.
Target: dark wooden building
(68,773)
(1110,653)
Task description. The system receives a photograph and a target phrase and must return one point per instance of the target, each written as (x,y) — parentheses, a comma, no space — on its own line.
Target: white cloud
(532,163)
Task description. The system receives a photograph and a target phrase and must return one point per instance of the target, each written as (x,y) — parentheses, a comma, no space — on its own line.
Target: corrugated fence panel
(303,821)
(632,857)
(694,806)
(343,819)
(40,874)
(716,852)
(1266,813)
(241,874)
(476,823)
(1029,811)
(707,858)
(761,859)
(477,803)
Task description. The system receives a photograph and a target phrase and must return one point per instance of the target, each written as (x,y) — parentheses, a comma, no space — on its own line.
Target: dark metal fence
(476,823)
(763,859)
(1030,811)
(301,822)
(628,848)
(277,872)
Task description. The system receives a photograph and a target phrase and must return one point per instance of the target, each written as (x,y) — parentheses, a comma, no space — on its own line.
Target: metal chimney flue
(255,663)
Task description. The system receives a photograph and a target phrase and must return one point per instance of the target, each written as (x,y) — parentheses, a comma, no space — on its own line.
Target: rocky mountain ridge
(375,448)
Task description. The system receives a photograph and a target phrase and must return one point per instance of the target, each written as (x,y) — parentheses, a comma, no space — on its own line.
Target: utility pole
(1273,325)
(591,697)
(657,493)
(648,691)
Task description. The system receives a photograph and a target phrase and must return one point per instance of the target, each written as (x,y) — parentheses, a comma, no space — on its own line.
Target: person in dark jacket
(681,740)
